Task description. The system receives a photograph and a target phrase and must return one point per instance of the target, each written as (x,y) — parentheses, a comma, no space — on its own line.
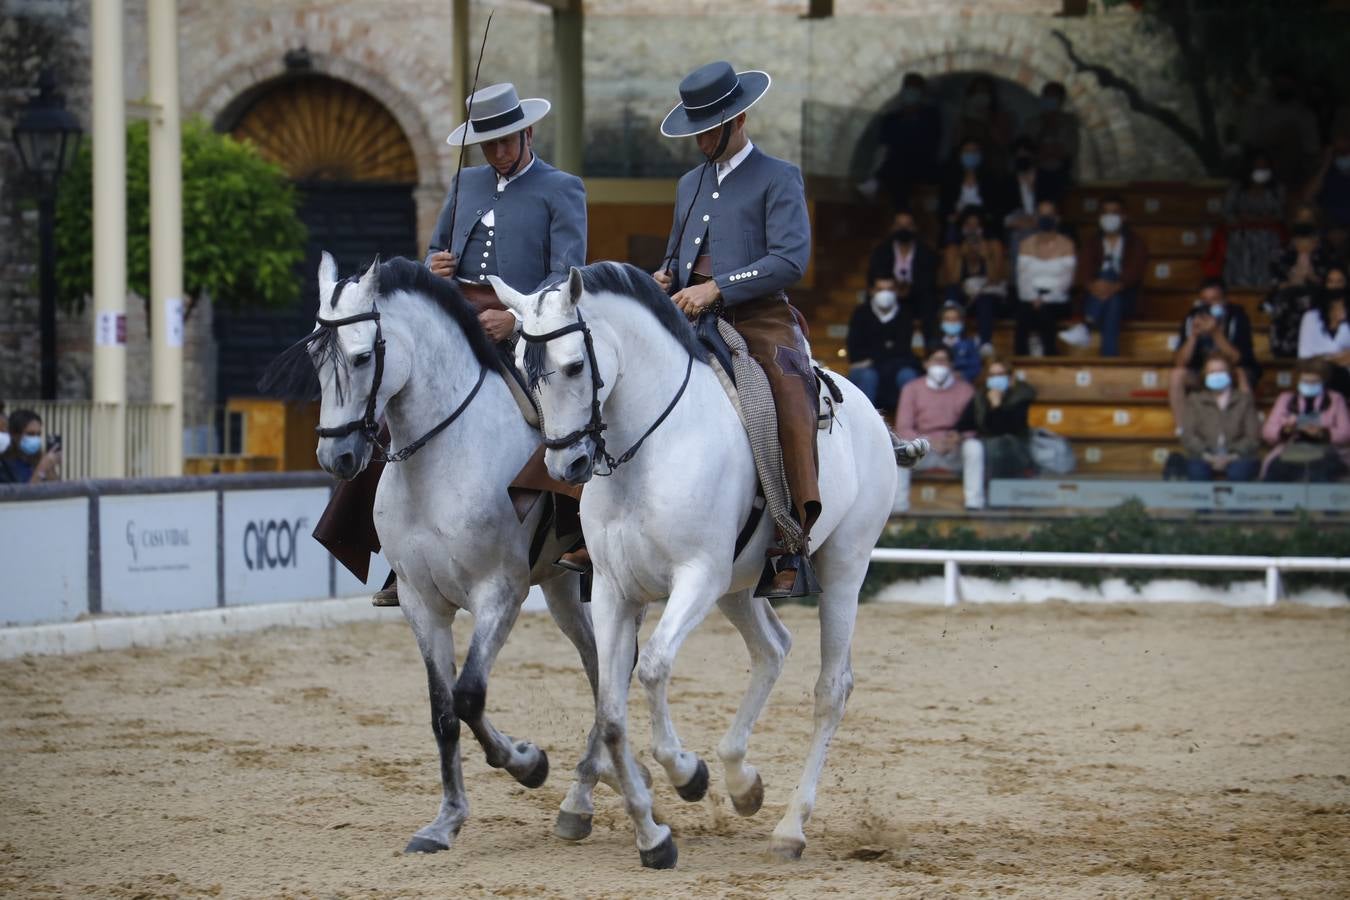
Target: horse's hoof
(662,856)
(787,848)
(572,826)
(424,845)
(537,775)
(694,790)
(749,803)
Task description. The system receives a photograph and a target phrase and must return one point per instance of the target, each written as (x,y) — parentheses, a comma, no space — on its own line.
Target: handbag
(1051,452)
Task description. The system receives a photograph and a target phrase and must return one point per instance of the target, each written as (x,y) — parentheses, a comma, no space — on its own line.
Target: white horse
(403,342)
(609,355)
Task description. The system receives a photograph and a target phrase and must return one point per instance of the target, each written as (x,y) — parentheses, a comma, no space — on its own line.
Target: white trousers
(969,462)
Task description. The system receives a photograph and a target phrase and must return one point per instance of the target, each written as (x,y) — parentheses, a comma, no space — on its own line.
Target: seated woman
(1296,275)
(1254,210)
(1045,268)
(997,414)
(975,271)
(1221,433)
(1324,333)
(1309,428)
(24,460)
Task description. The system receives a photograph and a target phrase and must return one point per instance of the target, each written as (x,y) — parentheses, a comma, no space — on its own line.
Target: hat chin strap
(520,157)
(722,142)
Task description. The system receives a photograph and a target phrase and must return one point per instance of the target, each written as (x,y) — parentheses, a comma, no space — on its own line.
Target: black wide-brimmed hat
(711,95)
(496,112)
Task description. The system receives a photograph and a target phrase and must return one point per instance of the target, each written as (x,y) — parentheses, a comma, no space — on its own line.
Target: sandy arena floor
(1034,751)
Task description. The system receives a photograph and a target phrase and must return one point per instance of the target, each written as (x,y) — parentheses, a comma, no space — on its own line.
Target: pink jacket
(1335,419)
(926,412)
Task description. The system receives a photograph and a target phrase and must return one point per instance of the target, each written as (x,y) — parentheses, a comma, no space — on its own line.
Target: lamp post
(47,136)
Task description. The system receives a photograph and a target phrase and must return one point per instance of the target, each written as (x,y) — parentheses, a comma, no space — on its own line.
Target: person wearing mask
(1296,276)
(963,350)
(1329,187)
(1045,267)
(1018,196)
(983,119)
(911,135)
(1055,131)
(1308,429)
(929,408)
(906,259)
(969,182)
(1254,211)
(1324,334)
(880,351)
(1212,326)
(25,459)
(1221,433)
(1283,128)
(1111,268)
(998,416)
(975,273)
(7,475)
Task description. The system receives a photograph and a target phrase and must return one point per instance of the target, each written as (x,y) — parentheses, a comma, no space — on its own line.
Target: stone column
(110,242)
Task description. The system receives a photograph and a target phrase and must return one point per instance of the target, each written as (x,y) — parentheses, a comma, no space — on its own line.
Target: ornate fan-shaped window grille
(322,129)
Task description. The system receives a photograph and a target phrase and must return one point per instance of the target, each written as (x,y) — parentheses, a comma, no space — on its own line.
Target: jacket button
(698,240)
(705,218)
(478,212)
(688,265)
(716,195)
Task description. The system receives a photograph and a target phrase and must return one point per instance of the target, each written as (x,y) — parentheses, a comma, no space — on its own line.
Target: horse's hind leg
(436,641)
(768,641)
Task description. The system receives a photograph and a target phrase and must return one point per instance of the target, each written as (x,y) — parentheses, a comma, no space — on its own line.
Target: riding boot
(578,560)
(387,595)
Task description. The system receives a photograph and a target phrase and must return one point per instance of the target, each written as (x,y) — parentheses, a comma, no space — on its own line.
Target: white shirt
(1114,254)
(489,217)
(1313,339)
(970,196)
(725,168)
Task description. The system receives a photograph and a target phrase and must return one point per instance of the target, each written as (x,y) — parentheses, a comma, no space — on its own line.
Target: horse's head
(570,370)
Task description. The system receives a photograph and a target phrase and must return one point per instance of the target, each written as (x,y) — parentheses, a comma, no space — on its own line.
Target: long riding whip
(698,189)
(463,141)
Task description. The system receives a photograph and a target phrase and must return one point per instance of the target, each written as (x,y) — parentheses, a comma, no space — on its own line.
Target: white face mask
(1110,222)
(939,375)
(4,441)
(885,301)
(1261,176)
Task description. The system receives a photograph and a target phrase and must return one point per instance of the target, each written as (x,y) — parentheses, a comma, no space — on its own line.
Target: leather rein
(595,428)
(367,424)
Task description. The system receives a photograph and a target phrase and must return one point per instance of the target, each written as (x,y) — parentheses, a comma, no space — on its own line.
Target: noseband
(595,428)
(367,424)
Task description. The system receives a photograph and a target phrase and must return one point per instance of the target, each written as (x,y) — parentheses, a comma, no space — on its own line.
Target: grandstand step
(1173,273)
(1115,379)
(932,492)
(1147,340)
(1165,304)
(1151,203)
(1176,240)
(1098,420)
(1139,458)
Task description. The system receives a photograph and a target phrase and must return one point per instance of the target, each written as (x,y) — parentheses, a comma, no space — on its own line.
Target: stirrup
(804,585)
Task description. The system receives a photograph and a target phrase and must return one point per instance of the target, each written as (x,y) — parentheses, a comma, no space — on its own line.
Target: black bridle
(595,428)
(367,424)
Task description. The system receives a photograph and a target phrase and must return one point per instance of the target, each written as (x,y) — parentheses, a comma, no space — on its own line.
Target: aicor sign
(269,553)
(274,543)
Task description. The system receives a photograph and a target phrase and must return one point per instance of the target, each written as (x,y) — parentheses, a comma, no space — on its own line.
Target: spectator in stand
(1329,187)
(964,351)
(997,414)
(984,120)
(1254,211)
(1213,326)
(930,407)
(913,265)
(880,352)
(1221,432)
(1111,267)
(25,460)
(7,475)
(1018,196)
(1055,131)
(1324,334)
(969,182)
(1296,276)
(1309,429)
(912,137)
(1283,128)
(1045,267)
(975,272)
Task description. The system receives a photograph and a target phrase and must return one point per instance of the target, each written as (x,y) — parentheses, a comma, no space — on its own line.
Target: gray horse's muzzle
(344,457)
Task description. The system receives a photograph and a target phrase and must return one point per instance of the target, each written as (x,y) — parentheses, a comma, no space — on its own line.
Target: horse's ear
(371,280)
(574,287)
(510,297)
(327,275)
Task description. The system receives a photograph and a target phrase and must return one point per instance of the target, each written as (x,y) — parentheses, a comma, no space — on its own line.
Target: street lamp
(47,136)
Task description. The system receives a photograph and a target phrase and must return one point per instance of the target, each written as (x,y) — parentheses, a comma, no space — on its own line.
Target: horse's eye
(572,370)
(361,359)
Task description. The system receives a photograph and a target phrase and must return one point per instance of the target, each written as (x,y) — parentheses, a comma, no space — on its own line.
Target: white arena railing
(952,560)
(147,455)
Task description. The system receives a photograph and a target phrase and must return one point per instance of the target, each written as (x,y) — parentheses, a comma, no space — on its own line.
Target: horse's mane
(292,373)
(631,282)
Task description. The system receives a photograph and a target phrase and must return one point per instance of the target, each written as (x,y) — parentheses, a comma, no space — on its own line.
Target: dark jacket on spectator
(949,191)
(1009,417)
(1133,259)
(1237,328)
(869,338)
(922,299)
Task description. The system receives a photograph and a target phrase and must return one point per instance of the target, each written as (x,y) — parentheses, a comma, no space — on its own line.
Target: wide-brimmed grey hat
(711,95)
(495,112)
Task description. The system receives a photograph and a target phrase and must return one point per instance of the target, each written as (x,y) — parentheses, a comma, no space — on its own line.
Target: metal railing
(78,421)
(952,560)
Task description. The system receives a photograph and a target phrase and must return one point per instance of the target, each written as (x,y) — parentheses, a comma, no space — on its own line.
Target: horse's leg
(691,597)
(431,626)
(841,565)
(768,641)
(495,611)
(616,632)
(574,620)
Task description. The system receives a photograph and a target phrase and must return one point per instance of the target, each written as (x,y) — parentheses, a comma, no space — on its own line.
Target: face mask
(938,375)
(910,96)
(952,328)
(1217,381)
(1050,104)
(1046,223)
(1110,222)
(1217,310)
(971,160)
(885,300)
(1343,163)
(1310,388)
(1261,176)
(30,444)
(4,441)
(1304,229)
(997,383)
(904,235)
